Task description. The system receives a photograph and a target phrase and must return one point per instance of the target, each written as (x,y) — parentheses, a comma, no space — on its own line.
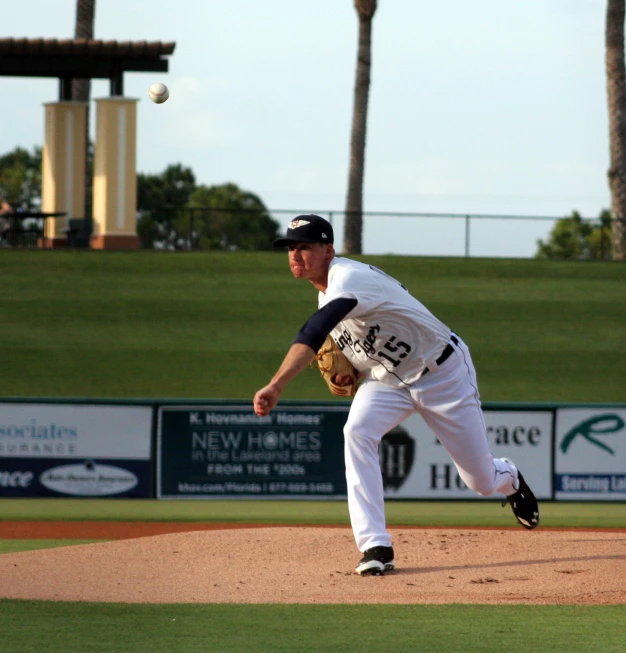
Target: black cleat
(524,504)
(376,561)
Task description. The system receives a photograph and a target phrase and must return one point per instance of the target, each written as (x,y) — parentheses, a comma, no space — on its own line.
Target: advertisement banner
(45,477)
(218,451)
(416,466)
(79,450)
(590,454)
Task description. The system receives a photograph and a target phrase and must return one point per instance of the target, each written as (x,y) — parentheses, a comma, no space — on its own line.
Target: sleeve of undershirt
(323,321)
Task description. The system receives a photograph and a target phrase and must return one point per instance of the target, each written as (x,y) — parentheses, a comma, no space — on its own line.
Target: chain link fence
(449,234)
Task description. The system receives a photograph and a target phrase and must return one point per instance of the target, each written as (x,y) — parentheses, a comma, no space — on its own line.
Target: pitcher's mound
(316,565)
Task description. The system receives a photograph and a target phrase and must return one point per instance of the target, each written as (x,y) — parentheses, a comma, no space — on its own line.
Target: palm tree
(353,229)
(616,93)
(81,88)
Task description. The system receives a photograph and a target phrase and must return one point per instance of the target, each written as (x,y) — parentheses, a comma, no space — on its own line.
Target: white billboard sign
(415,465)
(590,454)
(74,431)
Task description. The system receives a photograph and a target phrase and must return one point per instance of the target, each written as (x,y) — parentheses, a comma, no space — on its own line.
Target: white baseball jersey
(389,335)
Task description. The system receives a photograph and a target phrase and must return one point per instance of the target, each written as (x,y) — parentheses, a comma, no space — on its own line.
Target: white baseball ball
(158,93)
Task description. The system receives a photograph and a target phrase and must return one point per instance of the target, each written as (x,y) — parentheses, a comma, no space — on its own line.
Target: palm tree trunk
(81,88)
(353,228)
(616,95)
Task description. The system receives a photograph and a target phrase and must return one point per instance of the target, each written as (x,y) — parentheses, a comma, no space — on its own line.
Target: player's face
(309,260)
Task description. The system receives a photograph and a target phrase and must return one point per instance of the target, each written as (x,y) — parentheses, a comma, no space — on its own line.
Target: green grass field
(216,325)
(147,324)
(399,513)
(81,627)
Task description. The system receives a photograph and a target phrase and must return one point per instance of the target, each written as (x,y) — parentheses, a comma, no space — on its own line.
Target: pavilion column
(63,166)
(115,176)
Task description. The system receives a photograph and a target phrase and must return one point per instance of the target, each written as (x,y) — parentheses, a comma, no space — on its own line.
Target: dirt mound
(315,565)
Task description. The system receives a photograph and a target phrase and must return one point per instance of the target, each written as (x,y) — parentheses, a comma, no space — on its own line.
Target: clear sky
(488,107)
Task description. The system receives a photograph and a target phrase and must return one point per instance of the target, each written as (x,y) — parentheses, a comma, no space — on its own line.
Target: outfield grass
(83,628)
(216,325)
(399,513)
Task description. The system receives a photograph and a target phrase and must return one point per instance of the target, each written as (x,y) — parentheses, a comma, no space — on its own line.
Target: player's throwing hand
(265,399)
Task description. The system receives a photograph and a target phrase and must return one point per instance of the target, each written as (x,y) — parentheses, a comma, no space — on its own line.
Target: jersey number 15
(400,350)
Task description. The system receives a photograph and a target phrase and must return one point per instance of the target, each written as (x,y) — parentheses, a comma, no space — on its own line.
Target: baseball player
(409,362)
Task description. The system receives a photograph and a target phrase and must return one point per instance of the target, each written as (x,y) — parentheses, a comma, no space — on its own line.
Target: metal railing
(184,230)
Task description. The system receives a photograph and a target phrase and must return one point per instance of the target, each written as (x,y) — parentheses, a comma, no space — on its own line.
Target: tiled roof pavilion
(69,59)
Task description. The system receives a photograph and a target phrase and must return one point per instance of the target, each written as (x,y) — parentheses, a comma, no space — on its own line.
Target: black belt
(445,354)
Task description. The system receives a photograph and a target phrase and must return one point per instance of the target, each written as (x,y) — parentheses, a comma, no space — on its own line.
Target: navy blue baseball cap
(307,229)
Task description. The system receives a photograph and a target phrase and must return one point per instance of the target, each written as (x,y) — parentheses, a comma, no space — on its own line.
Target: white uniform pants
(447,399)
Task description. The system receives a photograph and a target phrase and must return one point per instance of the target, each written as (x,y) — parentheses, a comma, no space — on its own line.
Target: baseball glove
(331,362)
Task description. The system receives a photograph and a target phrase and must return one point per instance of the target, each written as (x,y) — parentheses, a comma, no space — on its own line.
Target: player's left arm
(324,320)
(298,357)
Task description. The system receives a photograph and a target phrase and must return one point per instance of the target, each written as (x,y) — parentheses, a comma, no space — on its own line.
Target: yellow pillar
(63,166)
(115,176)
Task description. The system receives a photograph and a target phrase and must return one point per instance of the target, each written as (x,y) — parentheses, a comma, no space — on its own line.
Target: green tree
(173,213)
(353,227)
(575,238)
(600,239)
(161,203)
(20,178)
(229,218)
